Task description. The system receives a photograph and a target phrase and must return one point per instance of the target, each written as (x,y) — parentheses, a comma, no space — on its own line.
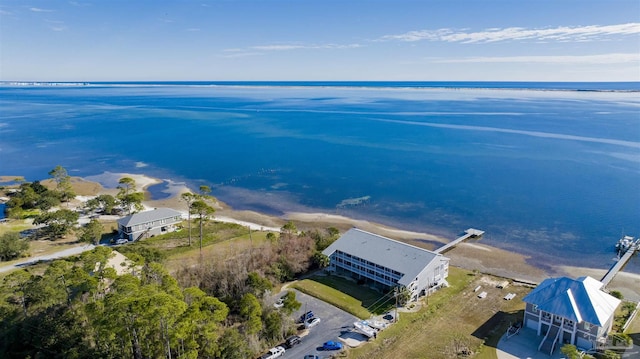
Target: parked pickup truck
(273,353)
(304,317)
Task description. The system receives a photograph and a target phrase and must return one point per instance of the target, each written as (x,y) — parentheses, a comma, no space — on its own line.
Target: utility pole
(395,294)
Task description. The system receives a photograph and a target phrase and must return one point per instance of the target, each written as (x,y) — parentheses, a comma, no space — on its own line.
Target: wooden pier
(469,233)
(620,263)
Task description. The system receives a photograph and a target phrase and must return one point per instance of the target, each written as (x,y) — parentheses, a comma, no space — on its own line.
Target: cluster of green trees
(281,258)
(35,200)
(219,309)
(35,196)
(82,308)
(79,309)
(12,246)
(572,352)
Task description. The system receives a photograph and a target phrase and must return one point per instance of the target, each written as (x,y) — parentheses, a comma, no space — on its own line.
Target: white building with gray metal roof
(149,223)
(385,263)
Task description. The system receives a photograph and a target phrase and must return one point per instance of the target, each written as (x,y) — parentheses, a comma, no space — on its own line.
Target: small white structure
(149,223)
(363,328)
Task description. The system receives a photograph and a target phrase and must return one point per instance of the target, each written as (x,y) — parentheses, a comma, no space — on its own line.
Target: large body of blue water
(550,170)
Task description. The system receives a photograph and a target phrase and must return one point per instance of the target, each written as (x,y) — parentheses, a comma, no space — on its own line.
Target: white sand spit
(110,179)
(253,226)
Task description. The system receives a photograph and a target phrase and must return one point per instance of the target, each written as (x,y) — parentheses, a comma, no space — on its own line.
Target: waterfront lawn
(340,293)
(219,239)
(634,330)
(15,225)
(454,318)
(178,241)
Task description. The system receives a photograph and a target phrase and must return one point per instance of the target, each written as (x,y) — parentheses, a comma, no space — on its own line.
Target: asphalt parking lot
(334,323)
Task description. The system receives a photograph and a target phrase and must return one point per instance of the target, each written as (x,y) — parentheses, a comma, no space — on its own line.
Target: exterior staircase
(142,235)
(548,344)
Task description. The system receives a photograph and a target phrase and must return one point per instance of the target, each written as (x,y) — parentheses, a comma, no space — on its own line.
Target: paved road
(334,322)
(61,254)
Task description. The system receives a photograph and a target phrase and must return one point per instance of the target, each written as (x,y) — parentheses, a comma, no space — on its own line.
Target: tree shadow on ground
(492,330)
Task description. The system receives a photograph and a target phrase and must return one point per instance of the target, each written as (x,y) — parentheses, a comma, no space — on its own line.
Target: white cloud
(260,49)
(277,47)
(561,34)
(79,4)
(618,58)
(297,47)
(56,25)
(37,9)
(237,53)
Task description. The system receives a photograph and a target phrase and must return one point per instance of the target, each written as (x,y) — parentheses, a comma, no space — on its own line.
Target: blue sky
(455,40)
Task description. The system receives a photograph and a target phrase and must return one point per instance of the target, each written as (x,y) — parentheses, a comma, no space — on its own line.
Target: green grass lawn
(634,330)
(341,293)
(14,226)
(219,238)
(452,315)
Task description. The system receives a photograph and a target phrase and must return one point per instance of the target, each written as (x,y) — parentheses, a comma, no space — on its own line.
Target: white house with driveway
(149,223)
(385,263)
(570,311)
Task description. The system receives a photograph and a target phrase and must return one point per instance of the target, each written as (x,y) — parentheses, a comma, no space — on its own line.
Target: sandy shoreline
(472,255)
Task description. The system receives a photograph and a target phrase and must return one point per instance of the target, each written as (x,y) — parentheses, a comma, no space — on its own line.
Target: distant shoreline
(603,86)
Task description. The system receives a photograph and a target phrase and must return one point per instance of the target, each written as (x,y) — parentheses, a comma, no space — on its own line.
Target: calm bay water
(546,169)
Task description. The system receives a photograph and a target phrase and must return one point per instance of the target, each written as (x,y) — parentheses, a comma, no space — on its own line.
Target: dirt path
(60,254)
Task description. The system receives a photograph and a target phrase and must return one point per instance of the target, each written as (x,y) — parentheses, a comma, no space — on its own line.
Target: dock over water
(620,263)
(469,233)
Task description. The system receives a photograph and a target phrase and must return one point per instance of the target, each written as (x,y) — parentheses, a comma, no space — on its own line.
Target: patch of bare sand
(626,283)
(80,186)
(111,179)
(372,227)
(174,201)
(4,179)
(255,218)
(120,263)
(491,260)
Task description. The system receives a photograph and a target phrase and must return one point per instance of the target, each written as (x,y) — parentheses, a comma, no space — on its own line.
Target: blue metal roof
(577,299)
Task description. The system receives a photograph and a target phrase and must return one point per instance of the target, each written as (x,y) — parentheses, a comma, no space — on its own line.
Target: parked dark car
(306,316)
(291,341)
(331,345)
